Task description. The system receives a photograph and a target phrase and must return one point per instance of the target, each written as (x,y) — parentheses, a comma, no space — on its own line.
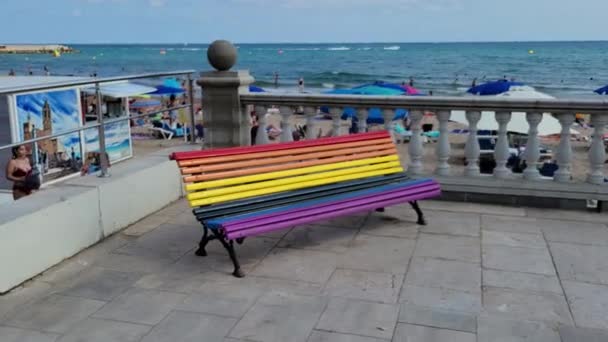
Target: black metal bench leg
(229,245)
(380,210)
(204,240)
(416,207)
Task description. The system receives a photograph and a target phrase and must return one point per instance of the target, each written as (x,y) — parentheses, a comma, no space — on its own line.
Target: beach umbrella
(369,89)
(172,83)
(494,88)
(602,91)
(164,90)
(256,89)
(518,124)
(145,103)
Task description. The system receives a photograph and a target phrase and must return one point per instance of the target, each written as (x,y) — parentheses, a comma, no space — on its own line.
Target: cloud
(345,4)
(157,3)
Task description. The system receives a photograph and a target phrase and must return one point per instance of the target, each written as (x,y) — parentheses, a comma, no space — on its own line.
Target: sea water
(562,69)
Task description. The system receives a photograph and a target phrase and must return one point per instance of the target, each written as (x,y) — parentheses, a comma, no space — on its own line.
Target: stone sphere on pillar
(222,55)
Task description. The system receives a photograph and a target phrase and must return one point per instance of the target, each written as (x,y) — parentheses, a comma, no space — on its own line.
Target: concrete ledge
(40,231)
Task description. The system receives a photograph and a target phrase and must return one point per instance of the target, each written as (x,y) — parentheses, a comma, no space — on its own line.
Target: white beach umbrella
(518,124)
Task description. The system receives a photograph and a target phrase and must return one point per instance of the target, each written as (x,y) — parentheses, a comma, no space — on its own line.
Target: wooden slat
(287,166)
(178,156)
(293,186)
(256,156)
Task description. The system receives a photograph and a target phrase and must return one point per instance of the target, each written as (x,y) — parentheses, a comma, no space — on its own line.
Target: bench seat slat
(330,212)
(362,172)
(335,148)
(178,156)
(331,199)
(291,172)
(266,201)
(227,170)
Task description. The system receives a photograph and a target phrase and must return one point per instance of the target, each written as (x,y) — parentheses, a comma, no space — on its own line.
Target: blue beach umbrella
(256,89)
(493,88)
(164,90)
(602,91)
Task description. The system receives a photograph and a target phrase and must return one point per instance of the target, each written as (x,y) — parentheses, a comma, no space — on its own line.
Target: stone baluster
(416,149)
(443,147)
(501,151)
(311,113)
(362,117)
(262,136)
(286,131)
(472,146)
(388,114)
(336,120)
(564,150)
(532,152)
(597,153)
(246,124)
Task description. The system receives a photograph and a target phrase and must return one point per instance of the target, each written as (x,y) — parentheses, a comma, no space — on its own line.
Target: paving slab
(226,300)
(351,221)
(533,306)
(280,317)
(437,318)
(589,304)
(101,284)
(319,238)
(499,329)
(478,208)
(11,334)
(55,313)
(416,333)
(378,254)
(511,224)
(297,264)
(582,263)
(511,239)
(448,247)
(450,274)
(359,318)
(23,295)
(99,330)
(440,222)
(389,225)
(324,336)
(516,259)
(181,326)
(141,306)
(441,298)
(576,232)
(522,281)
(168,240)
(365,285)
(573,334)
(172,280)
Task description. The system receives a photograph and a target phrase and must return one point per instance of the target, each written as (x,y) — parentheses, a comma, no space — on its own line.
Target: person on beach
(276,79)
(46,71)
(29,71)
(301,85)
(170,104)
(411,81)
(11,72)
(17,170)
(474,84)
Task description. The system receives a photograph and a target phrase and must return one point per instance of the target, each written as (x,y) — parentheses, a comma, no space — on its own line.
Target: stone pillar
(225,123)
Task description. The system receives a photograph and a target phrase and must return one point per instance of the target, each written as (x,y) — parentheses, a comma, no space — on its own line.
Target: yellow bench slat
(288,173)
(297,179)
(294,186)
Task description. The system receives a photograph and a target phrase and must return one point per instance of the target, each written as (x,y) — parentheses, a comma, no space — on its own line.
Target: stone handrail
(563,109)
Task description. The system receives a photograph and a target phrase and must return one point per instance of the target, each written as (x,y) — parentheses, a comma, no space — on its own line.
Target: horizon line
(325,43)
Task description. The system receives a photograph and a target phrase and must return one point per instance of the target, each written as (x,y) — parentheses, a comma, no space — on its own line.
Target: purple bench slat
(236,224)
(331,212)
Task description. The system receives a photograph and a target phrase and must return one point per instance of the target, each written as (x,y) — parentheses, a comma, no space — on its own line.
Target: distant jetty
(35,49)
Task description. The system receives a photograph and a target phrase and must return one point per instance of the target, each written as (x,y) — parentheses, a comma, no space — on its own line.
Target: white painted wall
(40,231)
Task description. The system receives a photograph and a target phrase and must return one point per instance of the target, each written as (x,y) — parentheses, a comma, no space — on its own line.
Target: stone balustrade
(503,180)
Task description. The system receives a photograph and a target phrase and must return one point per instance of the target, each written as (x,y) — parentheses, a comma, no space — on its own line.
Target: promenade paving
(475,273)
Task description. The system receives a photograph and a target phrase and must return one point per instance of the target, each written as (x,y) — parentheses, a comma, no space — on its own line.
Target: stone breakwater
(35,49)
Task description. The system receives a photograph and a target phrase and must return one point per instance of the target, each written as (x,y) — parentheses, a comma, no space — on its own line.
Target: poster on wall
(118,141)
(46,113)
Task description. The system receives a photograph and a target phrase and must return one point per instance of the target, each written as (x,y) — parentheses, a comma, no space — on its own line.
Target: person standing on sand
(276,79)
(474,83)
(16,171)
(12,72)
(301,85)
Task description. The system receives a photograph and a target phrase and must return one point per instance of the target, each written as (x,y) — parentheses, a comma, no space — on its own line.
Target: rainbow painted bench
(245,191)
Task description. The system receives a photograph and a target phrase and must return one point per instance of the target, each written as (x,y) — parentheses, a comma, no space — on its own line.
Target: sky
(285,21)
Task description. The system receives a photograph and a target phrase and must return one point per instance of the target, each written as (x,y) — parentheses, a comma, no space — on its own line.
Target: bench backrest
(229,174)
